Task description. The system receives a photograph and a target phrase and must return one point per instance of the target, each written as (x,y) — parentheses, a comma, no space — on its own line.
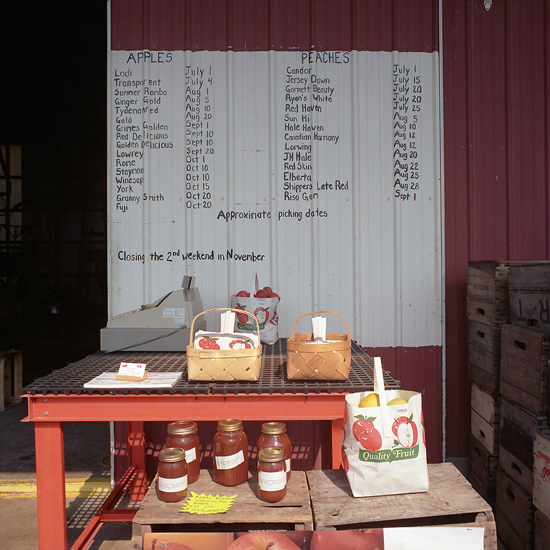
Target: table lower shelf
(248,511)
(321,500)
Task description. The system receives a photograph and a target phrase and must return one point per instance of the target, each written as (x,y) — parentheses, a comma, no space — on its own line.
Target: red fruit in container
(243,294)
(268,290)
(260,294)
(273,295)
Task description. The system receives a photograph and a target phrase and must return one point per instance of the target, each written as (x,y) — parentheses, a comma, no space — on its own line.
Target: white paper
(433,538)
(153,380)
(319,325)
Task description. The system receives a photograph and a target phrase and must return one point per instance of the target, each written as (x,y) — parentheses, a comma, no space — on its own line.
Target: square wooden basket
(306,360)
(233,365)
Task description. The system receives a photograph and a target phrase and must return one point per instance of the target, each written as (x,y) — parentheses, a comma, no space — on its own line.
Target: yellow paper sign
(207,504)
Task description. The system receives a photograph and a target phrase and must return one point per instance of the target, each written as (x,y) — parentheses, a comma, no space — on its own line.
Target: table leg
(50,486)
(136,452)
(336,427)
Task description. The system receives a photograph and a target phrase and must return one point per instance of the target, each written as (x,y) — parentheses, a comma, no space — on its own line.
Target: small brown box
(485,420)
(514,513)
(529,289)
(518,429)
(482,473)
(524,368)
(484,356)
(487,299)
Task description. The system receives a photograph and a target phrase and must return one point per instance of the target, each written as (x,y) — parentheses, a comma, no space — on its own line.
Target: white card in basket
(224,340)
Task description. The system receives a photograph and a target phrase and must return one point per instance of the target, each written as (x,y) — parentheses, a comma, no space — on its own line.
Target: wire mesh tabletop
(273,378)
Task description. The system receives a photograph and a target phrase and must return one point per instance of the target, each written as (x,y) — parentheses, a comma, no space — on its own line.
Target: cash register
(163,325)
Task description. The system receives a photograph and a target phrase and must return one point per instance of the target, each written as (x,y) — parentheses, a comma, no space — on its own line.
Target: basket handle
(315,313)
(222,309)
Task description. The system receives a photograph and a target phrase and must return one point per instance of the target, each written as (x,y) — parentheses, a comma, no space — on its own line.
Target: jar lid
(182,428)
(271,454)
(172,454)
(230,425)
(273,428)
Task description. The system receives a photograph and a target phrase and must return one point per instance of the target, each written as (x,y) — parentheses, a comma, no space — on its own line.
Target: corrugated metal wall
(403,26)
(496,116)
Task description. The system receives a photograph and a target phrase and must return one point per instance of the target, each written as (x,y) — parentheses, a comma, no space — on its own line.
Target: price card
(208,504)
(132,371)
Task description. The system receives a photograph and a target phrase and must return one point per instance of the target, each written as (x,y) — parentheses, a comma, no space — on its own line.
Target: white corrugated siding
(374,259)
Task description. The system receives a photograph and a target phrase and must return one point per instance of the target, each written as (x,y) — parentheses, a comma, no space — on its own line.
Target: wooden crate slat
(542,531)
(483,470)
(487,298)
(449,501)
(294,510)
(516,506)
(524,368)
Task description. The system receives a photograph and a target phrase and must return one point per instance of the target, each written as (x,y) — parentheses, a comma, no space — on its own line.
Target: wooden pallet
(450,501)
(248,512)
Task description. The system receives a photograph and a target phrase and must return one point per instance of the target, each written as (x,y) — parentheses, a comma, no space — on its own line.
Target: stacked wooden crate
(524,405)
(488,309)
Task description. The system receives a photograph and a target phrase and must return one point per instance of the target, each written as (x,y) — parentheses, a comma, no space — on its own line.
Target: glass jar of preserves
(184,435)
(274,435)
(230,452)
(172,475)
(271,474)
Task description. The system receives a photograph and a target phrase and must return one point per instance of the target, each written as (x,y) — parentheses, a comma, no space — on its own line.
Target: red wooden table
(60,397)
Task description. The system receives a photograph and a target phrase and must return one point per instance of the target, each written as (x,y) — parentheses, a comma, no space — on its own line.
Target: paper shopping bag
(384,447)
(265,310)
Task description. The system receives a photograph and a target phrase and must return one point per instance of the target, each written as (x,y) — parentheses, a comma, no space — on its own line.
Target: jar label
(191,455)
(287,464)
(172,485)
(231,461)
(271,481)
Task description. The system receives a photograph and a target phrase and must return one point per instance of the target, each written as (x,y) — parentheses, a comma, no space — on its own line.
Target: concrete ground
(87,469)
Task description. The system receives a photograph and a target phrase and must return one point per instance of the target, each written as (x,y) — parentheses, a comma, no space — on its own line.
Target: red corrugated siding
(495,83)
(261,25)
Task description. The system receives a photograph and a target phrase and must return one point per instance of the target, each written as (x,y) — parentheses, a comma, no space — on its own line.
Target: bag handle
(381,391)
(315,313)
(254,285)
(223,309)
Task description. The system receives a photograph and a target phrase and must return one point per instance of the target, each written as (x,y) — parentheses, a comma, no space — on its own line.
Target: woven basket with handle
(232,365)
(306,360)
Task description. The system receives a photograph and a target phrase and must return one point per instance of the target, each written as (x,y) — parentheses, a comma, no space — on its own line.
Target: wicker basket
(232,365)
(308,361)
